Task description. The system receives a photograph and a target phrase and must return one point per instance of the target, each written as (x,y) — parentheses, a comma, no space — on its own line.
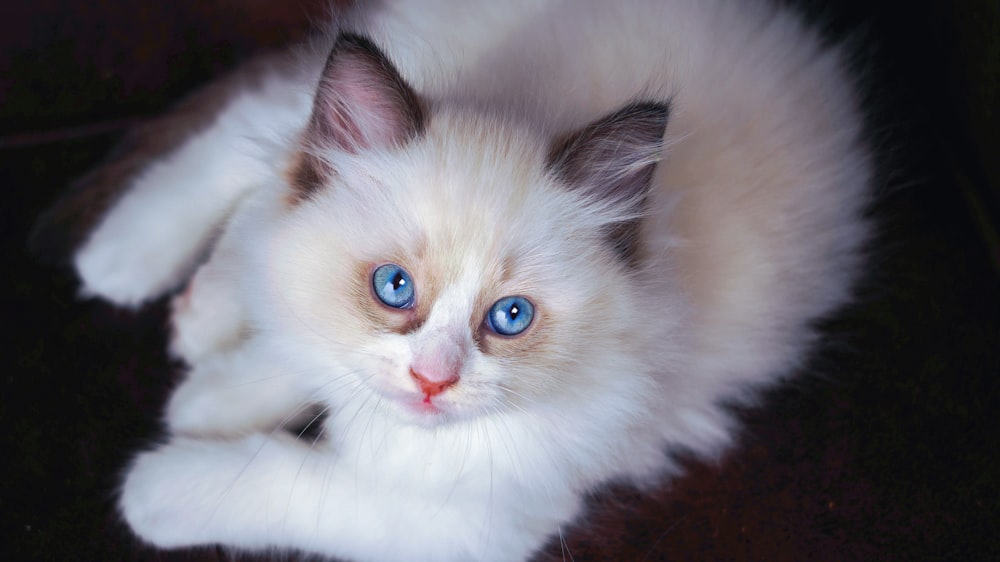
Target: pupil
(513,312)
(398,281)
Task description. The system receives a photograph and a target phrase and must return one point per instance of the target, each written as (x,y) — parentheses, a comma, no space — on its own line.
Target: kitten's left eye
(393,286)
(510,316)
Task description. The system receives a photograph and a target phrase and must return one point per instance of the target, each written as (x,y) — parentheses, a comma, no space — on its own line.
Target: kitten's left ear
(612,160)
(361,102)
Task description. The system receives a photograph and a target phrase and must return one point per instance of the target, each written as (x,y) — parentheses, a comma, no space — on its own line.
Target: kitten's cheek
(396,387)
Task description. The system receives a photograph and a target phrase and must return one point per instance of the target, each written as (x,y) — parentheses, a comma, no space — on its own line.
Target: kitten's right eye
(510,316)
(393,286)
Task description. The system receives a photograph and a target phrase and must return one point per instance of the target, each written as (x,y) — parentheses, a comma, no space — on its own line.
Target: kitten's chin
(426,413)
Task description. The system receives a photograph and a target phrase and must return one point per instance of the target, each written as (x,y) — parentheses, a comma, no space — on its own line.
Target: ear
(361,102)
(612,160)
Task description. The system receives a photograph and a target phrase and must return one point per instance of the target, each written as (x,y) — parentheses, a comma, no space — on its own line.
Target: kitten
(514,251)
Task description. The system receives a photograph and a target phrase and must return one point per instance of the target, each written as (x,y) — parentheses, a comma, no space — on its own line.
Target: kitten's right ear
(361,102)
(612,160)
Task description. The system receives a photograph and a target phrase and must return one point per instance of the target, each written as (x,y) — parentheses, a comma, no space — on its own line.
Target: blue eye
(510,316)
(393,286)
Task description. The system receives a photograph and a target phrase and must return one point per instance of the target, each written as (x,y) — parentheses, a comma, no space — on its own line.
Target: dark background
(884,449)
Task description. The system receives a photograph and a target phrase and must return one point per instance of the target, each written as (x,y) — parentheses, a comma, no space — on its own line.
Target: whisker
(514,405)
(483,425)
(229,488)
(509,390)
(564,547)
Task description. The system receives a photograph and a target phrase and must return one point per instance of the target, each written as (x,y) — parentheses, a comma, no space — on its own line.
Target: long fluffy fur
(751,232)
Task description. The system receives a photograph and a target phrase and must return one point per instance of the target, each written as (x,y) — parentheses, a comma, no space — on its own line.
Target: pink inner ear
(362,102)
(359,114)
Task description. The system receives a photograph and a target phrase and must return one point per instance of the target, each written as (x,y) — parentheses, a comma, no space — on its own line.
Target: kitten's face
(449,279)
(450,266)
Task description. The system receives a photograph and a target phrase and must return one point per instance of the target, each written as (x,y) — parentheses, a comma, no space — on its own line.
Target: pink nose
(432,387)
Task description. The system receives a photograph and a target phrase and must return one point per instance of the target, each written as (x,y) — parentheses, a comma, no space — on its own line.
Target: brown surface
(884,449)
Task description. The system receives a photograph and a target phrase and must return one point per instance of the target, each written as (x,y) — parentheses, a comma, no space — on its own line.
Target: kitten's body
(751,232)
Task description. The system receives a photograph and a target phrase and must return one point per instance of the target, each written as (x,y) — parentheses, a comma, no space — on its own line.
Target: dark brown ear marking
(613,157)
(361,102)
(613,160)
(305,175)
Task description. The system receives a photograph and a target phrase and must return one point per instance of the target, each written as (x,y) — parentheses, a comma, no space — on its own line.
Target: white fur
(153,237)
(753,234)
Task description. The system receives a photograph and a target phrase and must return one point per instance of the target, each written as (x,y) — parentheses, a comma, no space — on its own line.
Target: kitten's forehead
(468,202)
(478,184)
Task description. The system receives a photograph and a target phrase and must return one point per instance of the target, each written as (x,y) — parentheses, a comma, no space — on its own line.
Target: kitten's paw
(127,268)
(193,492)
(163,497)
(205,318)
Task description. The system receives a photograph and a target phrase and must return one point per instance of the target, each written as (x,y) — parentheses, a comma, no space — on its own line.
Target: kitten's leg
(196,492)
(236,392)
(208,316)
(260,492)
(153,235)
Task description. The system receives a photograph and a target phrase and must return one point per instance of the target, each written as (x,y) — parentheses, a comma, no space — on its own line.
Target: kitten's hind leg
(167,191)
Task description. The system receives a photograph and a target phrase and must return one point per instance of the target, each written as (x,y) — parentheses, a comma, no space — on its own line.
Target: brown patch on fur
(428,286)
(506,272)
(64,226)
(305,175)
(477,324)
(624,239)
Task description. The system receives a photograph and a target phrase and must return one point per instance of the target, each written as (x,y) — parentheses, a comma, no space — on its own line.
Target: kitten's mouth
(417,408)
(424,406)
(425,411)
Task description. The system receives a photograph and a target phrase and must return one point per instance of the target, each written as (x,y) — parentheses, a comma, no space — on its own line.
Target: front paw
(193,492)
(122,265)
(162,501)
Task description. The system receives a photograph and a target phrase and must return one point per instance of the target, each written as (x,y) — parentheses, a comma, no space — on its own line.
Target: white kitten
(526,250)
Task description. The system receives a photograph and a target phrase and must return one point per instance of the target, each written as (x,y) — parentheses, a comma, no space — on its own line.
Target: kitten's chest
(468,462)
